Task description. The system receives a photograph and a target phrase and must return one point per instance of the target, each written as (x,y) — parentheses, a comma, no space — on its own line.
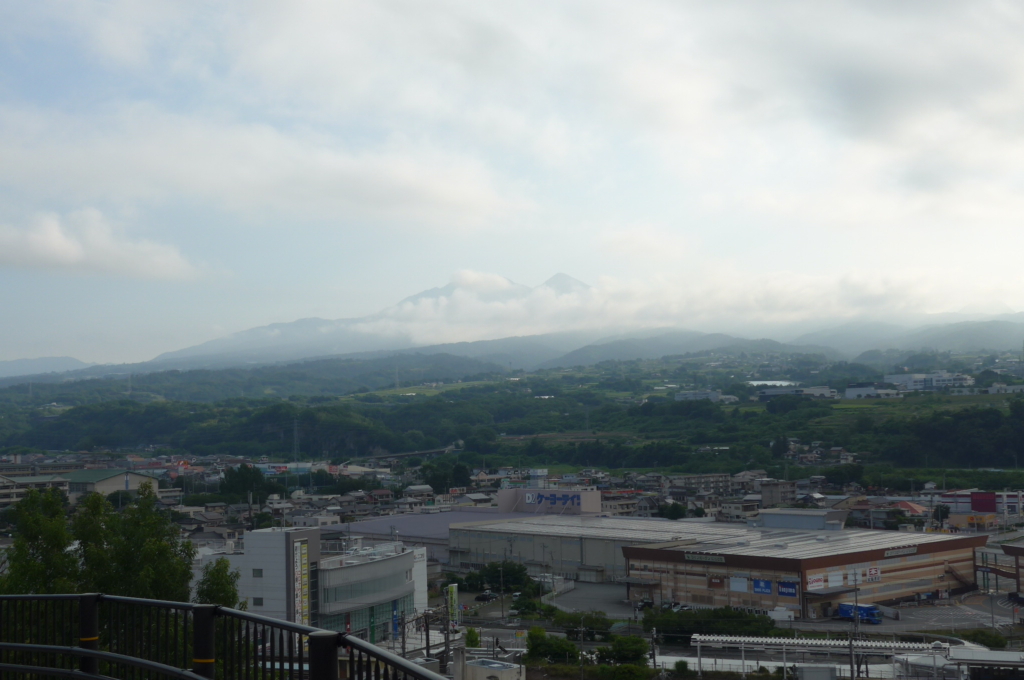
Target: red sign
(983,501)
(716,581)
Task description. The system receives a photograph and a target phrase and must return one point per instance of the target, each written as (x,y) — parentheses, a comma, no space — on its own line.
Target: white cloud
(85,242)
(795,160)
(755,305)
(142,154)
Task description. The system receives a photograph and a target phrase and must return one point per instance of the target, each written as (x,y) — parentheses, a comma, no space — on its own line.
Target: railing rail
(124,638)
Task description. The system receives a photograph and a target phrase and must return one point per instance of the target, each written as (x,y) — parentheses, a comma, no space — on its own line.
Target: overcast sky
(172,172)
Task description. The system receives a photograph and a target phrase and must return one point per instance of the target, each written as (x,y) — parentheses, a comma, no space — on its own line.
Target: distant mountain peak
(16,367)
(563,284)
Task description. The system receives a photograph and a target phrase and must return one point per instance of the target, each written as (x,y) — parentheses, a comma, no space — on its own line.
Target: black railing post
(89,630)
(323,655)
(204,643)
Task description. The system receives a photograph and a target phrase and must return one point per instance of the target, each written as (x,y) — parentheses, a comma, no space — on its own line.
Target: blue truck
(867,613)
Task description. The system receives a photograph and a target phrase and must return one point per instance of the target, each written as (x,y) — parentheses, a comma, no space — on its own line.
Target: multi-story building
(616,504)
(285,575)
(81,482)
(775,492)
(715,483)
(928,381)
(738,511)
(13,489)
(819,392)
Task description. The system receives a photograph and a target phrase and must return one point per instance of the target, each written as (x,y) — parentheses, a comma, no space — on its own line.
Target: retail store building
(808,572)
(801,560)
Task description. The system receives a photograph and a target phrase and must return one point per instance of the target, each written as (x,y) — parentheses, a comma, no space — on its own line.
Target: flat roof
(412,526)
(720,538)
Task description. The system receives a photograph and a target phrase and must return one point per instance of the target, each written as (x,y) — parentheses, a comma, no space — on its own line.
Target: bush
(682,668)
(541,646)
(589,625)
(624,672)
(625,650)
(677,627)
(982,636)
(472,637)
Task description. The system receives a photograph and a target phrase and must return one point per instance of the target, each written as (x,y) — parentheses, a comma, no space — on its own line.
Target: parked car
(486,597)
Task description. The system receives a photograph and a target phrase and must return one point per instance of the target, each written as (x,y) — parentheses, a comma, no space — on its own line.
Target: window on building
(257,602)
(257,573)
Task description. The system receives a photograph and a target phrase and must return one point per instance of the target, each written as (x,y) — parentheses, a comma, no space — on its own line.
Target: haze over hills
(495,300)
(18,367)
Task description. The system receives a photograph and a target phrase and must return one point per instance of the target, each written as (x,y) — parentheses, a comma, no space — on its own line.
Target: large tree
(136,552)
(40,559)
(218,584)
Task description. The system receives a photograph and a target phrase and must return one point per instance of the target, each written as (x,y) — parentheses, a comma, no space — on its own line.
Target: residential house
(408,504)
(422,492)
(646,506)
(738,511)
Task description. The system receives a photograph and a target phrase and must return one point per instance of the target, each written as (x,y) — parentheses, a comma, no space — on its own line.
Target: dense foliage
(677,627)
(136,552)
(609,416)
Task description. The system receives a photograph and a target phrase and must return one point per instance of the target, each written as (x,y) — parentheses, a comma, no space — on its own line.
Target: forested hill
(323,377)
(538,422)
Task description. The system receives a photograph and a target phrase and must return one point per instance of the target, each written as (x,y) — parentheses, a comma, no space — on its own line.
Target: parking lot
(977,611)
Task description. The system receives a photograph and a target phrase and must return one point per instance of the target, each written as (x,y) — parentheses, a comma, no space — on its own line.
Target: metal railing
(104,636)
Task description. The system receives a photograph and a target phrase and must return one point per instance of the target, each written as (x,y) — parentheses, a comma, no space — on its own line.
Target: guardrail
(104,636)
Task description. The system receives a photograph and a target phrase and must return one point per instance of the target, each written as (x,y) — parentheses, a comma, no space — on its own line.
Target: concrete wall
(589,559)
(549,501)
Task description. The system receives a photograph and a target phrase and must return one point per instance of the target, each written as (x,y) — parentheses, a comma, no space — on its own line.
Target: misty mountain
(20,367)
(526,352)
(970,336)
(307,338)
(855,338)
(302,339)
(667,343)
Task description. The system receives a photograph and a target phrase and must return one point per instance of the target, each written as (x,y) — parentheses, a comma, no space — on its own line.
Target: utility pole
(501,572)
(447,634)
(856,615)
(426,635)
(403,634)
(852,671)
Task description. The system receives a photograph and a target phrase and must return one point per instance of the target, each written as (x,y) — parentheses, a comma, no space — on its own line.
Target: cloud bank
(86,243)
(483,306)
(703,165)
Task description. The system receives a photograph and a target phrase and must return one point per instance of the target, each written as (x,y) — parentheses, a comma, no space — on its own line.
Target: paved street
(586,597)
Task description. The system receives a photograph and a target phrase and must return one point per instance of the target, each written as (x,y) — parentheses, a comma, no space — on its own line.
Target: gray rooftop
(716,537)
(415,525)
